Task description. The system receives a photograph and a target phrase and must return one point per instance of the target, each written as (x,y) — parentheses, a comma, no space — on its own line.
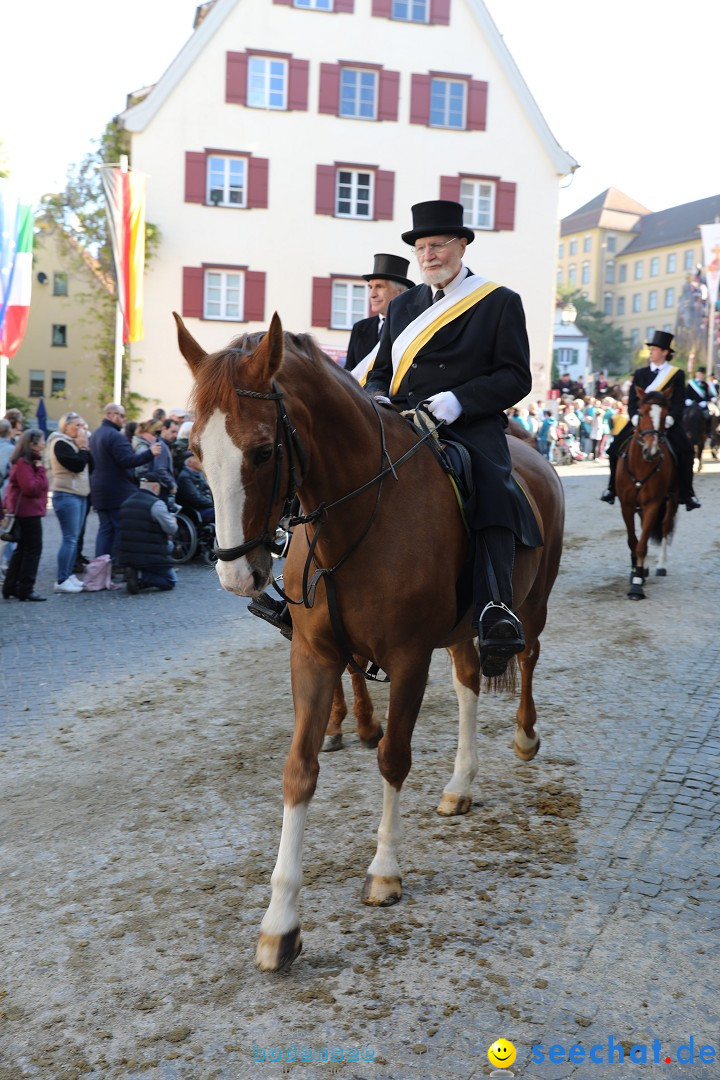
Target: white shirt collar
(655,368)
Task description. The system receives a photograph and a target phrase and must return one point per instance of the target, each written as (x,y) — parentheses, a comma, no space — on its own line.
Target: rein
(637,438)
(298,457)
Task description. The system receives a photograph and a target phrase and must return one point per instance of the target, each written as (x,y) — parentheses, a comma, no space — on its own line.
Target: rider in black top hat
(387,280)
(659,375)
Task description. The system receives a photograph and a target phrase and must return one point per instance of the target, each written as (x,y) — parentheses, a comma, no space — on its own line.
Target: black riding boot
(500,632)
(608,494)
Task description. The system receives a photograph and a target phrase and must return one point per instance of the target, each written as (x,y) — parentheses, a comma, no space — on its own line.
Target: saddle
(453,457)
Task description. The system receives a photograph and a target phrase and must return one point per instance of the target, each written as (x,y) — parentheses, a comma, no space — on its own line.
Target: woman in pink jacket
(26,497)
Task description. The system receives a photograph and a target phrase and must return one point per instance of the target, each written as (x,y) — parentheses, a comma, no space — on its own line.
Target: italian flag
(16,242)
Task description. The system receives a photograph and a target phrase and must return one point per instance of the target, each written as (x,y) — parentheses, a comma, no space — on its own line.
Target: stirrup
(264,607)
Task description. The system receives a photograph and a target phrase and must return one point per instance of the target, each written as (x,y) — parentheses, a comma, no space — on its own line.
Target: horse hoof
(450,805)
(661,572)
(332,742)
(373,741)
(381,891)
(525,749)
(636,595)
(275,952)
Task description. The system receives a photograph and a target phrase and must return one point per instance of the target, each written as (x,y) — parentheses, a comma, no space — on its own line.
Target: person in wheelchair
(193,489)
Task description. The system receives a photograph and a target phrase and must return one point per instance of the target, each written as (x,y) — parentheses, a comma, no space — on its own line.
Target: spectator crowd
(136,477)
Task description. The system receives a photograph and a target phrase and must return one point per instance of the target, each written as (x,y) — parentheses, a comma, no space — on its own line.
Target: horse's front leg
(313,686)
(457,794)
(383,883)
(638,572)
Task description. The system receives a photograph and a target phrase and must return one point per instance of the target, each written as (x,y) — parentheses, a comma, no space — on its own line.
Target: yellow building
(58,358)
(640,268)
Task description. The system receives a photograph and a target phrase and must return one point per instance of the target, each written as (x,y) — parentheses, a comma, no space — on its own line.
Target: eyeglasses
(432,249)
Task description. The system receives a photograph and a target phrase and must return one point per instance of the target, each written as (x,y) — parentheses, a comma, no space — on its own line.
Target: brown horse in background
(372,566)
(646,484)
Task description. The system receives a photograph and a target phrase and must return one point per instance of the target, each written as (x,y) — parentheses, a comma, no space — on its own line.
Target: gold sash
(444,317)
(657,386)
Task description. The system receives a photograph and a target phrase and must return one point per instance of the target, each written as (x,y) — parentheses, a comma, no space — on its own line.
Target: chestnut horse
(375,557)
(646,484)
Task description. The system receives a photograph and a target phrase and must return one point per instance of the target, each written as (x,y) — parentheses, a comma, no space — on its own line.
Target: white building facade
(285,145)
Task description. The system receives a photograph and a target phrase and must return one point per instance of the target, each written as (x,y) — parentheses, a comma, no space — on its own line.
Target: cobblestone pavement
(577,905)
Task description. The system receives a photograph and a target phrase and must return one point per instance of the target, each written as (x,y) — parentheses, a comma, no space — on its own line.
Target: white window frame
(36,383)
(607,303)
(348,303)
(670,296)
(314,5)
(220,193)
(227,303)
(355,180)
(638,270)
(572,274)
(652,300)
(622,273)
(587,244)
(689,260)
(360,75)
(585,273)
(637,303)
(655,266)
(561,251)
(443,86)
(262,70)
(573,247)
(620,305)
(672,263)
(417,11)
(478,200)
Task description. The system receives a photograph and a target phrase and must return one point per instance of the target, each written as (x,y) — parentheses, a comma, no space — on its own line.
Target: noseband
(286,440)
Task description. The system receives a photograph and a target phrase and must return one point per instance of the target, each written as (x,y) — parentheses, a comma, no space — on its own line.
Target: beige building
(640,268)
(58,358)
(285,145)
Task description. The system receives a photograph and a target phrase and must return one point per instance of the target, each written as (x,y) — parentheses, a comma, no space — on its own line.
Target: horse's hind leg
(383,882)
(457,795)
(338,711)
(369,728)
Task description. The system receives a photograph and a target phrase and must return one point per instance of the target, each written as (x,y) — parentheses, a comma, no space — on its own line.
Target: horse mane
(656,397)
(221,372)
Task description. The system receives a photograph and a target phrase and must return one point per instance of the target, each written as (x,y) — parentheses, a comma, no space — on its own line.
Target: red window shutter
(505,205)
(325,190)
(384,195)
(192,294)
(329,89)
(389,95)
(382,9)
(450,188)
(288,2)
(236,78)
(440,12)
(195,177)
(477,106)
(257,194)
(344,7)
(321,301)
(420,99)
(298,85)
(254,296)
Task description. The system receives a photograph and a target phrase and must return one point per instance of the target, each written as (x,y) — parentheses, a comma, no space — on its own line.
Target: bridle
(286,436)
(638,438)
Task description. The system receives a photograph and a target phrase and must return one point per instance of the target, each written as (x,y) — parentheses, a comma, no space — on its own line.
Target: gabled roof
(210,17)
(676,225)
(612,209)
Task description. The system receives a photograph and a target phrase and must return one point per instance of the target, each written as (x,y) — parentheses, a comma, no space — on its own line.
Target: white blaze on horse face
(655,416)
(222,465)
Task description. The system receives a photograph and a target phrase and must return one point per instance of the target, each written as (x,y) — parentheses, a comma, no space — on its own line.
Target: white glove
(688,401)
(703,404)
(444,406)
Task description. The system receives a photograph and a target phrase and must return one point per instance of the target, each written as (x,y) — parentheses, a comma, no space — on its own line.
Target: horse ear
(640,392)
(265,362)
(189,347)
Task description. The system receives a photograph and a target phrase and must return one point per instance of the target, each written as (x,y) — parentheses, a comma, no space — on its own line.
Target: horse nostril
(259,579)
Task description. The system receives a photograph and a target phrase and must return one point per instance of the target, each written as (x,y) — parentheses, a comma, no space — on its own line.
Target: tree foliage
(611,352)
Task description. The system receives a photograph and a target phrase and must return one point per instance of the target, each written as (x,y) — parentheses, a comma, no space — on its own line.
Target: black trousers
(680,444)
(23,568)
(497,544)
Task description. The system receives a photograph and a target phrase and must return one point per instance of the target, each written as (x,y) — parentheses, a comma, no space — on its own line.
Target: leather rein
(287,441)
(637,438)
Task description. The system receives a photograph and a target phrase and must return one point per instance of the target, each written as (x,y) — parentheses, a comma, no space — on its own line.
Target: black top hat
(390,268)
(662,340)
(439,217)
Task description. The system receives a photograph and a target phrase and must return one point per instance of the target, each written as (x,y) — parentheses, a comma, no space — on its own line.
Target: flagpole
(117,381)
(4,364)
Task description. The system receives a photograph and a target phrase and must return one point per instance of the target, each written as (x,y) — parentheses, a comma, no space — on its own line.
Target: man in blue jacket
(112,480)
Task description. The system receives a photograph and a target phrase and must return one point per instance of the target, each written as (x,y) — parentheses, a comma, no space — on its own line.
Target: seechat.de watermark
(613,1052)
(318,1055)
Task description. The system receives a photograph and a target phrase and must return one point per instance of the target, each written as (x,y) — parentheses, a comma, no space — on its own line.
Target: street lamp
(568,315)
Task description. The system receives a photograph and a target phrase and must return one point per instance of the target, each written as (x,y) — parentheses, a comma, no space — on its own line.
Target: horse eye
(260,455)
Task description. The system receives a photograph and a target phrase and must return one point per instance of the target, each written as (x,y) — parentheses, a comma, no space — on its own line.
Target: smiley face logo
(502,1054)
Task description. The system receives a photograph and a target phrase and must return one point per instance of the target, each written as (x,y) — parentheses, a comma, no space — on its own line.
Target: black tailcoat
(691,394)
(483,358)
(363,339)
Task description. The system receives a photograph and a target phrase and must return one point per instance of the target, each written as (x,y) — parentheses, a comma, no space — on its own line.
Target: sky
(621,84)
